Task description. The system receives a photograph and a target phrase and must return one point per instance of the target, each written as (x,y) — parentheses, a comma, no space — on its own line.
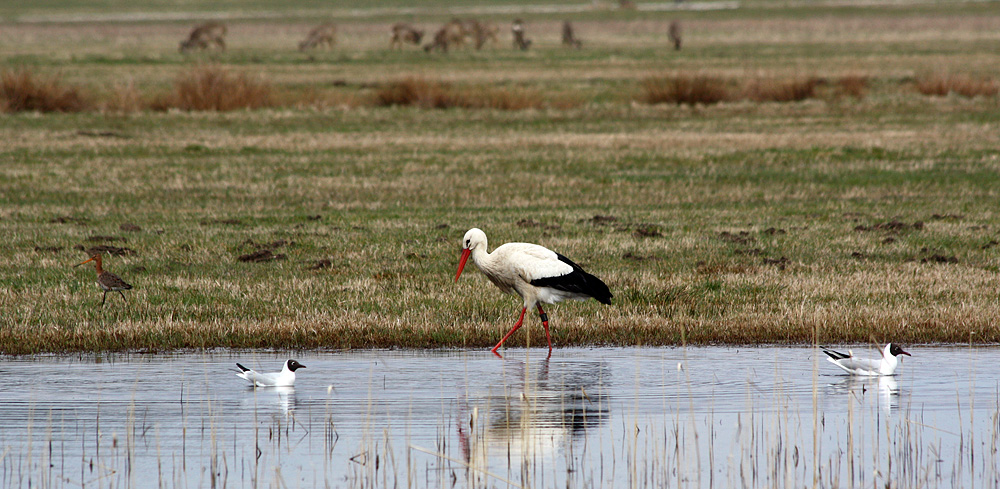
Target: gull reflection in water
(886,387)
(544,411)
(280,399)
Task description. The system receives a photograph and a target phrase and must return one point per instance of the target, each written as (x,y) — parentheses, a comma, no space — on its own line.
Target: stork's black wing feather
(578,281)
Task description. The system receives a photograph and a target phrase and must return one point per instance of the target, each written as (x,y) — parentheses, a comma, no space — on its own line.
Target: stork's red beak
(461,262)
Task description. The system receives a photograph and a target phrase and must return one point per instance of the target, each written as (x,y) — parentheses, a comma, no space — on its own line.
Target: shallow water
(603,417)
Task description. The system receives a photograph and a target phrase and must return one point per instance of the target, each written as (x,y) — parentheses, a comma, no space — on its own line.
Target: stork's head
(474,239)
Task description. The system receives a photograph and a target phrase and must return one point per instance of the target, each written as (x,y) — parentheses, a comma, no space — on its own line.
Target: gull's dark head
(896,351)
(293,365)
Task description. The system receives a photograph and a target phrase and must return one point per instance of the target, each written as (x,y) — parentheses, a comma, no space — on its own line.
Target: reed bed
(967,86)
(22,90)
(219,88)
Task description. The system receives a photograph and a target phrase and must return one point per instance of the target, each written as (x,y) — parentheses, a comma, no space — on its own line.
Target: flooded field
(621,417)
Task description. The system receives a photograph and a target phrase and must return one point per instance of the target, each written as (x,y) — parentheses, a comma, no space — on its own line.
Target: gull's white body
(865,366)
(284,378)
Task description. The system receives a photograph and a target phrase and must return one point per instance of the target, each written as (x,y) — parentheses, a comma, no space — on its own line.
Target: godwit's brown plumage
(108,281)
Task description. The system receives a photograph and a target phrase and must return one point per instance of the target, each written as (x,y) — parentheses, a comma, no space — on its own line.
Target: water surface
(601,417)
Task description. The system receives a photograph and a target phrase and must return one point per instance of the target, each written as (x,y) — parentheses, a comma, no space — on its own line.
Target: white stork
(534,272)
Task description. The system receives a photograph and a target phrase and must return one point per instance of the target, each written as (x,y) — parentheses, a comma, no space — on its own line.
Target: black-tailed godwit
(108,281)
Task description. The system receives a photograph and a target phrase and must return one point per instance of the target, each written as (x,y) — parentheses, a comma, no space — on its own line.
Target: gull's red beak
(461,262)
(901,352)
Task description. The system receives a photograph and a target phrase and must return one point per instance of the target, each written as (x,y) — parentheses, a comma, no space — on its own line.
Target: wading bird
(285,378)
(867,366)
(538,274)
(108,281)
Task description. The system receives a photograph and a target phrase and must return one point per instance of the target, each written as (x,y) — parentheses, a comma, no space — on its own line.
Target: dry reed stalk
(21,90)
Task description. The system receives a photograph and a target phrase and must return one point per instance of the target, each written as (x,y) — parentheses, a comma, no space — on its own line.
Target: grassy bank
(839,218)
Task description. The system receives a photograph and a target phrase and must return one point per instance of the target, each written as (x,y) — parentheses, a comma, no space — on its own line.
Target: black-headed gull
(285,378)
(867,366)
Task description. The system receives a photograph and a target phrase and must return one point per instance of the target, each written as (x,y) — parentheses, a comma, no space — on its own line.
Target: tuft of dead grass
(853,85)
(431,94)
(124,99)
(941,84)
(684,89)
(213,87)
(23,91)
(782,90)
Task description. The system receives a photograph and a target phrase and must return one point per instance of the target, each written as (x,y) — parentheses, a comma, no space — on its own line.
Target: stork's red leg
(518,325)
(545,324)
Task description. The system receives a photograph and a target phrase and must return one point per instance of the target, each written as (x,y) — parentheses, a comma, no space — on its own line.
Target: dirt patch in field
(742,237)
(97,238)
(639,258)
(129,227)
(321,264)
(48,249)
(81,221)
(110,250)
(647,231)
(938,258)
(531,223)
(779,262)
(209,222)
(600,220)
(260,256)
(893,226)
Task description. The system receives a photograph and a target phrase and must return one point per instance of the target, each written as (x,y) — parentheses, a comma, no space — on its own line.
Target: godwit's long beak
(78,264)
(461,262)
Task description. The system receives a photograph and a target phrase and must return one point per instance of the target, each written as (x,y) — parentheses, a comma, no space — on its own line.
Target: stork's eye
(468,243)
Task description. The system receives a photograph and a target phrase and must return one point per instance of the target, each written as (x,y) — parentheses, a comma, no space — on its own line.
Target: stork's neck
(481,257)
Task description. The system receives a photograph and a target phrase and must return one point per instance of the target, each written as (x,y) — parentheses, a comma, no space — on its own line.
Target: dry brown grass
(684,89)
(213,87)
(21,91)
(941,84)
(124,99)
(431,94)
(853,85)
(782,90)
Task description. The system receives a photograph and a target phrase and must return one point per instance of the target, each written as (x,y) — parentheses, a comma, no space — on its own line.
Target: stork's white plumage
(284,378)
(867,366)
(538,274)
